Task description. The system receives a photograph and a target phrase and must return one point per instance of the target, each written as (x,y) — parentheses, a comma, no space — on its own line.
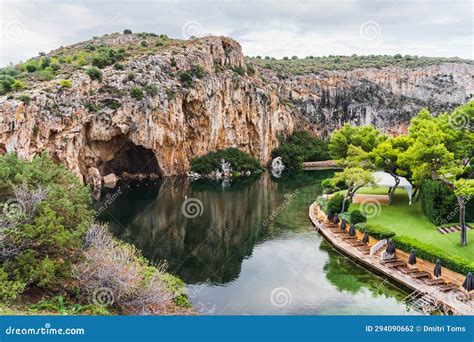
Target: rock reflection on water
(209,247)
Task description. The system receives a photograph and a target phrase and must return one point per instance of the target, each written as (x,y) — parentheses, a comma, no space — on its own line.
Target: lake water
(246,247)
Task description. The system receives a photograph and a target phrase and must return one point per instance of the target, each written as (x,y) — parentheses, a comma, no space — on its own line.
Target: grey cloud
(265,27)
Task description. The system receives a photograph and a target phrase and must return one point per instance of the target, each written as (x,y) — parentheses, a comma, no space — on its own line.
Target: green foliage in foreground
(239,161)
(50,241)
(301,147)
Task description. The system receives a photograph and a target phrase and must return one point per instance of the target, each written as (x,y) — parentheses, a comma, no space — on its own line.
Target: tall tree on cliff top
(386,156)
(441,148)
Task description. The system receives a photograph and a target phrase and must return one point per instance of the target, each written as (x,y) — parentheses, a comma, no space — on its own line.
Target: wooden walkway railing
(321,165)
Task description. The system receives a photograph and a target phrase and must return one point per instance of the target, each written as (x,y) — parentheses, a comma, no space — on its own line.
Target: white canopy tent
(385,179)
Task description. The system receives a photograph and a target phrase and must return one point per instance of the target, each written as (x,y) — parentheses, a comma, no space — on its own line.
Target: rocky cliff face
(103,125)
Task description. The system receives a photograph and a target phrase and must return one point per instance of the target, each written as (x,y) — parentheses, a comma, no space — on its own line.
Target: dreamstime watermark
(109,199)
(281,297)
(192,29)
(13,208)
(14,30)
(192,207)
(201,307)
(278,210)
(46,330)
(103,296)
(450,217)
(370,30)
(370,207)
(459,121)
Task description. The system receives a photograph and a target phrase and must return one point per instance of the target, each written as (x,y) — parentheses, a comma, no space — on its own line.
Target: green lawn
(407,220)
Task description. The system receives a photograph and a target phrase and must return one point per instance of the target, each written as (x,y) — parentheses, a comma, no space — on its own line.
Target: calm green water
(248,248)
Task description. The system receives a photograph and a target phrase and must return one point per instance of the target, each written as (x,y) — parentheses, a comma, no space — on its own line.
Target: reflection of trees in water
(209,247)
(347,276)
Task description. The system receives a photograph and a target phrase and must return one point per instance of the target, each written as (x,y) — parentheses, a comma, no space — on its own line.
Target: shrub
(250,70)
(136,93)
(30,67)
(127,31)
(18,85)
(48,236)
(25,99)
(130,282)
(9,289)
(329,186)
(151,89)
(106,56)
(94,73)
(6,83)
(118,66)
(65,84)
(197,71)
(239,71)
(239,161)
(377,231)
(357,216)
(143,43)
(186,78)
(335,203)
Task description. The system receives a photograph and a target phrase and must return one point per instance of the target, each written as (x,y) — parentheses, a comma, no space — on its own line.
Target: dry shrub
(114,273)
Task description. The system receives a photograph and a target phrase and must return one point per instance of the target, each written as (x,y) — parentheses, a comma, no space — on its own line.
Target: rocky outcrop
(101,125)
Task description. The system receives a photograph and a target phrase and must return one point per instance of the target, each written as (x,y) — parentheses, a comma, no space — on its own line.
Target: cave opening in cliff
(133,159)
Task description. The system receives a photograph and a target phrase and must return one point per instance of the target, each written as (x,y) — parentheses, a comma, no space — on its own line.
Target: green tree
(365,137)
(354,178)
(441,149)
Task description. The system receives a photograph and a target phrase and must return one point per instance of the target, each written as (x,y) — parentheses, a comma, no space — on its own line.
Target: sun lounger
(349,238)
(395,264)
(389,261)
(418,275)
(447,287)
(438,281)
(406,270)
(356,243)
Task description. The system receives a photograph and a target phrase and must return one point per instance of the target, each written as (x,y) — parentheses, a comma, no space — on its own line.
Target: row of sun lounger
(397,264)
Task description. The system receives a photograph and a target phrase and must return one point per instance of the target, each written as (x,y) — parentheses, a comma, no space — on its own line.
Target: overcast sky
(265,27)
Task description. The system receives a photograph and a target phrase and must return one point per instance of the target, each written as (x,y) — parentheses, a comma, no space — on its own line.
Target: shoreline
(446,300)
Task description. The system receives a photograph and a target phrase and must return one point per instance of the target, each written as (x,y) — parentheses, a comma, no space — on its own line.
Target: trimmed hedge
(431,253)
(357,216)
(335,203)
(377,231)
(437,202)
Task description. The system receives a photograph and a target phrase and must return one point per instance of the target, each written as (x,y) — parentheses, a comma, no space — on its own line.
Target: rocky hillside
(152,104)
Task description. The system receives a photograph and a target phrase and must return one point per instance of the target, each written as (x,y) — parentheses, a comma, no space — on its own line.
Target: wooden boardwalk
(422,294)
(321,165)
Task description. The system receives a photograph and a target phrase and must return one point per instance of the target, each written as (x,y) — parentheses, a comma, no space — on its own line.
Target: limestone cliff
(104,124)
